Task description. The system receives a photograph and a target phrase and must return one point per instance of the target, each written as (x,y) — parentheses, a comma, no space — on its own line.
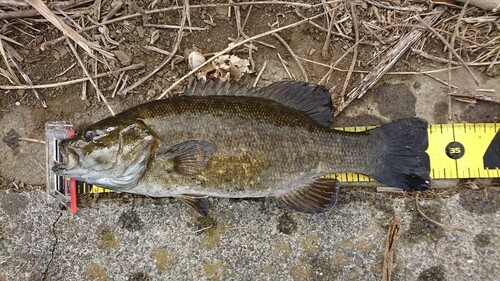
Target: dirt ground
(295,241)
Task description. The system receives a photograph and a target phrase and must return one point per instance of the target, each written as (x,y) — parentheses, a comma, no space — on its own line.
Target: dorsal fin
(219,88)
(312,99)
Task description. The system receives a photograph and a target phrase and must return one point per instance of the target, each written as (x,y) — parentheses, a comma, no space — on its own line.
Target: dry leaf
(226,67)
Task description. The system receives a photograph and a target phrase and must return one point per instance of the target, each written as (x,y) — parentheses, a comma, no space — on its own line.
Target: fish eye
(89,135)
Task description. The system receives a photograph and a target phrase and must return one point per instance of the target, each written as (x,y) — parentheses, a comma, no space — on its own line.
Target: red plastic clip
(72,186)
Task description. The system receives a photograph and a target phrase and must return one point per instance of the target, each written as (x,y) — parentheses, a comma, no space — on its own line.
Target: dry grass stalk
(9,74)
(28,80)
(13,3)
(397,8)
(390,246)
(259,74)
(322,28)
(332,67)
(285,67)
(330,22)
(117,84)
(170,26)
(472,97)
(443,60)
(71,82)
(66,29)
(32,140)
(118,5)
(161,51)
(25,13)
(180,33)
(389,60)
(355,49)
(329,66)
(452,42)
(451,86)
(299,64)
(449,47)
(94,84)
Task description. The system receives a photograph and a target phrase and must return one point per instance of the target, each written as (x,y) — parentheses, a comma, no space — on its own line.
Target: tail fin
(404,162)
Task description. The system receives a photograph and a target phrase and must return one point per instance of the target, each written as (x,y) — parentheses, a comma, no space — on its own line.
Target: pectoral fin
(198,203)
(189,157)
(318,196)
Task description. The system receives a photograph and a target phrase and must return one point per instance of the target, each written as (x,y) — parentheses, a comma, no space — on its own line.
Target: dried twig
(322,28)
(25,13)
(448,46)
(355,49)
(13,3)
(32,140)
(284,64)
(397,8)
(66,29)
(10,74)
(389,60)
(28,80)
(471,97)
(332,67)
(441,80)
(326,45)
(82,65)
(260,74)
(390,245)
(299,64)
(180,33)
(417,206)
(234,46)
(170,26)
(117,7)
(452,43)
(161,51)
(71,82)
(443,60)
(247,16)
(117,84)
(366,71)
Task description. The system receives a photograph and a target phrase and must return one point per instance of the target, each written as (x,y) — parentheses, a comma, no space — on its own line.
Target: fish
(224,139)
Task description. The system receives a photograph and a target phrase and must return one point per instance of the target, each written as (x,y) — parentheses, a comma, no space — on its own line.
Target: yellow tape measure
(456,151)
(466,150)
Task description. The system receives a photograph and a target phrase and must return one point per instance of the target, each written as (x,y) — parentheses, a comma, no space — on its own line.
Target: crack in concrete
(54,246)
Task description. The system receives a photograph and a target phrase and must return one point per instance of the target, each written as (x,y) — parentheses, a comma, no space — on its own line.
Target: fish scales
(261,145)
(226,140)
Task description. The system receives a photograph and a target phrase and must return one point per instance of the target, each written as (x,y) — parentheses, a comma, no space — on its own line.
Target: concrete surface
(146,239)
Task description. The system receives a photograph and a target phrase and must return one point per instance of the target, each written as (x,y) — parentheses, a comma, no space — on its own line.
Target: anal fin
(197,203)
(318,196)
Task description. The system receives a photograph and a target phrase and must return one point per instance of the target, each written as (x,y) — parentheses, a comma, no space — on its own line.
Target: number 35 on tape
(467,150)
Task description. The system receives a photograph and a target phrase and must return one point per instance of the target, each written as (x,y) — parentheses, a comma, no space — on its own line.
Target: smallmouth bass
(228,140)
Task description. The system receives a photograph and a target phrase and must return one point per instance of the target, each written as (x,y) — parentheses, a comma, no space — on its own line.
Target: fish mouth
(71,161)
